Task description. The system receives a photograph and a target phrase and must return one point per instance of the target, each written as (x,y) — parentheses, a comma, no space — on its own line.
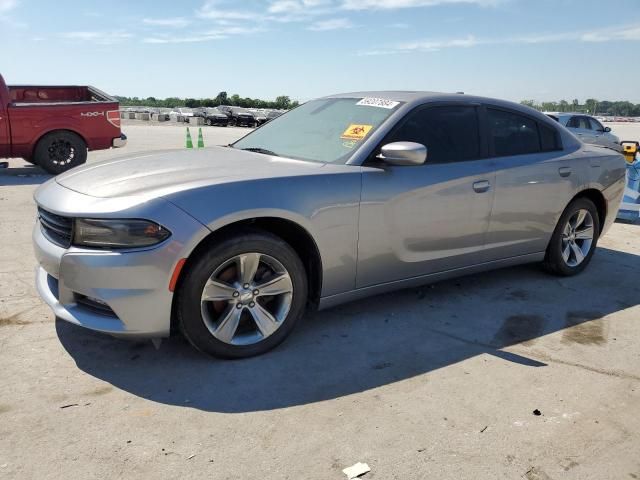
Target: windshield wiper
(261,150)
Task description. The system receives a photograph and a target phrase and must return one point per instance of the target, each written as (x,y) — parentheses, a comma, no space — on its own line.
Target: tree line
(282,102)
(590,106)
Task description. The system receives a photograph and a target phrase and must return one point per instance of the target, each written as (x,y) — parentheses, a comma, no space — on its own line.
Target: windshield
(326,130)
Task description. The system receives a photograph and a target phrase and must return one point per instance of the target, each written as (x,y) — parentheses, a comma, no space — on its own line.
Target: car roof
(394,95)
(415,98)
(567,114)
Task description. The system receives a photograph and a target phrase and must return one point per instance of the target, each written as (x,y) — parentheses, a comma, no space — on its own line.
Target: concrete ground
(439,382)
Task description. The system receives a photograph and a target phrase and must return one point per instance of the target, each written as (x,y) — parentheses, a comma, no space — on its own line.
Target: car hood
(167,172)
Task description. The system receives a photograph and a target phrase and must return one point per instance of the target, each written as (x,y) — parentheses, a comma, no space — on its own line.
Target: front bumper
(119,142)
(130,288)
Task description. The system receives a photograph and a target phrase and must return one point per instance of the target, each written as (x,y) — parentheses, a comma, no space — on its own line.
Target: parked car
(343,197)
(54,126)
(213,116)
(589,129)
(241,117)
(261,117)
(271,114)
(182,111)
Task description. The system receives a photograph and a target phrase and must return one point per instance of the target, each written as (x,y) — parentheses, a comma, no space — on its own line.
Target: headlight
(111,233)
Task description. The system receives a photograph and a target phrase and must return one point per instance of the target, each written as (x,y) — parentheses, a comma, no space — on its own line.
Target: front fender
(326,206)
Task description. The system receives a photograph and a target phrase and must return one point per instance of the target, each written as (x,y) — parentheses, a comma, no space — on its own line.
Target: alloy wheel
(577,237)
(246,299)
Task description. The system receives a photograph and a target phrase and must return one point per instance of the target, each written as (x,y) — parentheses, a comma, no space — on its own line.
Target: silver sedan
(343,197)
(588,129)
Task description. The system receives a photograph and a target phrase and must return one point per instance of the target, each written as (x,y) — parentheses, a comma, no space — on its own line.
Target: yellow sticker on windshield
(356,132)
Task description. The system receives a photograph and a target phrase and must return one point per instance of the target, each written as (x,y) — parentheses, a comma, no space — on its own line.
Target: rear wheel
(242,297)
(209,122)
(574,240)
(60,151)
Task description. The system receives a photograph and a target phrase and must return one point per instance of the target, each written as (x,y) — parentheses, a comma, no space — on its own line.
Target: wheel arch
(598,200)
(289,231)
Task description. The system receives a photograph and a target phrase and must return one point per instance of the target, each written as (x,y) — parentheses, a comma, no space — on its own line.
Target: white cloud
(235,30)
(101,38)
(191,39)
(628,33)
(332,24)
(219,33)
(213,10)
(7,5)
(178,22)
(298,6)
(396,4)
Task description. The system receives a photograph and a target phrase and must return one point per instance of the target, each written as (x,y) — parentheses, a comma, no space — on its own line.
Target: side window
(585,123)
(450,133)
(548,138)
(574,122)
(596,125)
(511,133)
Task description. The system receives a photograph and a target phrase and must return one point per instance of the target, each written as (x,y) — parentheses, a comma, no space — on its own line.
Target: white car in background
(185,112)
(587,129)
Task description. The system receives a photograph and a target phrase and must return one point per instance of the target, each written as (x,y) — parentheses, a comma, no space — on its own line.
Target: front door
(581,127)
(417,220)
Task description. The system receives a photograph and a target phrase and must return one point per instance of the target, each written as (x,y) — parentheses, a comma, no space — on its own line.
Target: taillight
(113,117)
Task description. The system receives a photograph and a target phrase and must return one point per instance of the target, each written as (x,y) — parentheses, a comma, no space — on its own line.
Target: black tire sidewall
(41,152)
(554,259)
(188,302)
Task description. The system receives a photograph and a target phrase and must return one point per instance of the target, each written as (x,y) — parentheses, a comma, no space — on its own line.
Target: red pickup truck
(54,127)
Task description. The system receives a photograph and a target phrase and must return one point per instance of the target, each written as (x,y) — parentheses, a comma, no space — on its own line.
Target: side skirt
(333,300)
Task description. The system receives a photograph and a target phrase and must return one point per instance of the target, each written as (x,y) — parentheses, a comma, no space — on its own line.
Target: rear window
(512,134)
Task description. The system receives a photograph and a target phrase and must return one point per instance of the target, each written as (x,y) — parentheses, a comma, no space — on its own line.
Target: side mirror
(607,129)
(403,153)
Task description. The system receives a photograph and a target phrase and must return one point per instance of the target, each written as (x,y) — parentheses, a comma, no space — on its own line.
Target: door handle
(481,186)
(564,171)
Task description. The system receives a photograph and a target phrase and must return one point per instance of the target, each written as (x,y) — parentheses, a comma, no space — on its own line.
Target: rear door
(417,220)
(535,180)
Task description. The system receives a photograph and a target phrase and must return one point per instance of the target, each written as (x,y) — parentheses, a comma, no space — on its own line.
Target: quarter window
(450,133)
(512,134)
(548,138)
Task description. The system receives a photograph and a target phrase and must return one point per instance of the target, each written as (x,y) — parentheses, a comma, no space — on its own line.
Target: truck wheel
(60,151)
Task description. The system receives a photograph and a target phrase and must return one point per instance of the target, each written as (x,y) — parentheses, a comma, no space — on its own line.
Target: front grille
(57,228)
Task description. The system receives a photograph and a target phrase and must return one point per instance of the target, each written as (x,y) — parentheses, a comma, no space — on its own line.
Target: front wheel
(209,122)
(242,297)
(574,240)
(60,151)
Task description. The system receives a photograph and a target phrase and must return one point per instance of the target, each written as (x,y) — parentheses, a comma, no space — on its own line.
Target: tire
(60,151)
(209,122)
(200,320)
(568,238)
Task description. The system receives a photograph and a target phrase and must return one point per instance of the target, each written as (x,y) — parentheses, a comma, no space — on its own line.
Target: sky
(512,49)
